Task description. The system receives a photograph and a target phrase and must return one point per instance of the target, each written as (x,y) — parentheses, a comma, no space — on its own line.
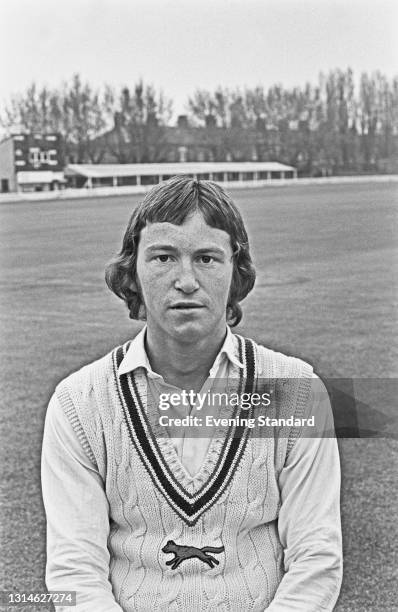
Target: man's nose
(186,280)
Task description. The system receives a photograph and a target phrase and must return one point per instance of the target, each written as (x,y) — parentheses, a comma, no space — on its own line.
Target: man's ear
(133,286)
(133,283)
(142,312)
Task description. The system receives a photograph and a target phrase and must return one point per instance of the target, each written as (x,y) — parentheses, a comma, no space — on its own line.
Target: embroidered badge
(182,553)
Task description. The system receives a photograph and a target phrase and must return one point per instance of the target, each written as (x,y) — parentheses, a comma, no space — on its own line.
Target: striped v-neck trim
(189,506)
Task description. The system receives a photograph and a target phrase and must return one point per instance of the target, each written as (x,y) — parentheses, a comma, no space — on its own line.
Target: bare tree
(85,115)
(75,111)
(139,134)
(329,128)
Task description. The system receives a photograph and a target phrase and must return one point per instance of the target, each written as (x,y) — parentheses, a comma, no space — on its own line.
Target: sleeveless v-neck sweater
(229,509)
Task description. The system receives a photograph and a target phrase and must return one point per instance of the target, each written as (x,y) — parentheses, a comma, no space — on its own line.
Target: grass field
(326,261)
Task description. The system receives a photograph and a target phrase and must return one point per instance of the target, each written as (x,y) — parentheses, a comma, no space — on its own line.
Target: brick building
(185,143)
(31,162)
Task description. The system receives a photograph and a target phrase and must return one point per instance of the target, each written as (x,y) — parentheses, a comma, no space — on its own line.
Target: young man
(142,518)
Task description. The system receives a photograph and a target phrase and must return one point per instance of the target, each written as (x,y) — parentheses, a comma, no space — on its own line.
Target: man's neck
(185,365)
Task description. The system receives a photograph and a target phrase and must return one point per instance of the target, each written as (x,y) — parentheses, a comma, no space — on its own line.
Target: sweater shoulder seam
(70,412)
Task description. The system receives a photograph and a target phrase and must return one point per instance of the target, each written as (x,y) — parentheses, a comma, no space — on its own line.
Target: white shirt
(190,451)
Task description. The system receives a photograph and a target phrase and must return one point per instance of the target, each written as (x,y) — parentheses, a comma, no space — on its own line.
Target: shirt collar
(136,356)
(230,350)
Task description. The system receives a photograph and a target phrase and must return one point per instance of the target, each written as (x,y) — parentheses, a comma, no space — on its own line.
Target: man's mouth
(186,306)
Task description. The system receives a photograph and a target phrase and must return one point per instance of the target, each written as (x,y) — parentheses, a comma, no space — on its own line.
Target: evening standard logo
(250,422)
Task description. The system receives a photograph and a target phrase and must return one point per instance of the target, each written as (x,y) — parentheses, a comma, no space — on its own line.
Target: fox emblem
(182,553)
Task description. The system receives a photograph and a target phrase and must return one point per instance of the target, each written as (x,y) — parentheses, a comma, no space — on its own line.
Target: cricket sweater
(198,543)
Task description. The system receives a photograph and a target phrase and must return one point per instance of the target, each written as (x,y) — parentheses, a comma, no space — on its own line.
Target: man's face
(184,274)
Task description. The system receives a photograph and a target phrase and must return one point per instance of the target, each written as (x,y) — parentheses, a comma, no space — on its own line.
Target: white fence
(66,194)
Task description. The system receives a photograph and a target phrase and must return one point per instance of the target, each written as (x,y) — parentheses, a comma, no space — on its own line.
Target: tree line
(334,126)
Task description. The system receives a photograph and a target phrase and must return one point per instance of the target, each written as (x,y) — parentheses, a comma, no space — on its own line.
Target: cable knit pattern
(243,520)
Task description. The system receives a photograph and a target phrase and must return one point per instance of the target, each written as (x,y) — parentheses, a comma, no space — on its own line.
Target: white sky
(179,45)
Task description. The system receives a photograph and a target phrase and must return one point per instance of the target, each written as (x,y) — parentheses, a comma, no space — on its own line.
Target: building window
(204,176)
(247,176)
(275,175)
(218,176)
(51,157)
(37,157)
(233,176)
(124,181)
(103,181)
(182,153)
(34,157)
(149,179)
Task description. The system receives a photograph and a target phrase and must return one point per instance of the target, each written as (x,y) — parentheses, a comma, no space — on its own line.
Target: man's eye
(163,258)
(206,259)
